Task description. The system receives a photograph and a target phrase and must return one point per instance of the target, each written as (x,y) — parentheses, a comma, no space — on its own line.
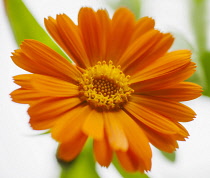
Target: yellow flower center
(104,86)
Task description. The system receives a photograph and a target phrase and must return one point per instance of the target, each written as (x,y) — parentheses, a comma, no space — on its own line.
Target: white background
(23,154)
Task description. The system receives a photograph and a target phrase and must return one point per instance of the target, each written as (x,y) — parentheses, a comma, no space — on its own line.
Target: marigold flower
(123,90)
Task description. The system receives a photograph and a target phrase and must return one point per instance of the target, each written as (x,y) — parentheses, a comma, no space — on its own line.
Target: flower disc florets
(104,86)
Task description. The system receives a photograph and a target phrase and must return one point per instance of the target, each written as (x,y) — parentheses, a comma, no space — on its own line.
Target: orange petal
(128,160)
(94,125)
(182,91)
(71,40)
(151,119)
(170,109)
(154,53)
(114,130)
(91,30)
(142,26)
(44,113)
(36,57)
(164,81)
(139,48)
(122,27)
(166,142)
(182,132)
(105,28)
(163,142)
(67,151)
(102,152)
(25,96)
(46,85)
(70,124)
(163,66)
(138,142)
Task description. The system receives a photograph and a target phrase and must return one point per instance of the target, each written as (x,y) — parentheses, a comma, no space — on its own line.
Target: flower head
(123,90)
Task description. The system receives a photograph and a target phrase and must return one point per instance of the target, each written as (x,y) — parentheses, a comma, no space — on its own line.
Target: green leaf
(25,26)
(126,174)
(205,63)
(199,23)
(169,156)
(133,5)
(82,166)
(44,133)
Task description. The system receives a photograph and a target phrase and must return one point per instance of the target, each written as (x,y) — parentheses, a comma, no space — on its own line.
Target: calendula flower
(123,90)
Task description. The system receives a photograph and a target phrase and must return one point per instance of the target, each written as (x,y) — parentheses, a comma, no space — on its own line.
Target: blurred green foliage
(169,156)
(133,5)
(82,166)
(25,26)
(198,14)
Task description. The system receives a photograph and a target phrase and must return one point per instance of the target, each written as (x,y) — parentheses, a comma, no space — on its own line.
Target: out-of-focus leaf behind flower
(133,5)
(82,166)
(44,133)
(199,23)
(126,174)
(25,26)
(169,156)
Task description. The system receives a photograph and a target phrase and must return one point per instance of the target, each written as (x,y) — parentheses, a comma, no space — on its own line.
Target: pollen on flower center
(105,86)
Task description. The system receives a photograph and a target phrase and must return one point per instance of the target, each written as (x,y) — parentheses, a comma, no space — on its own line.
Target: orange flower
(123,90)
